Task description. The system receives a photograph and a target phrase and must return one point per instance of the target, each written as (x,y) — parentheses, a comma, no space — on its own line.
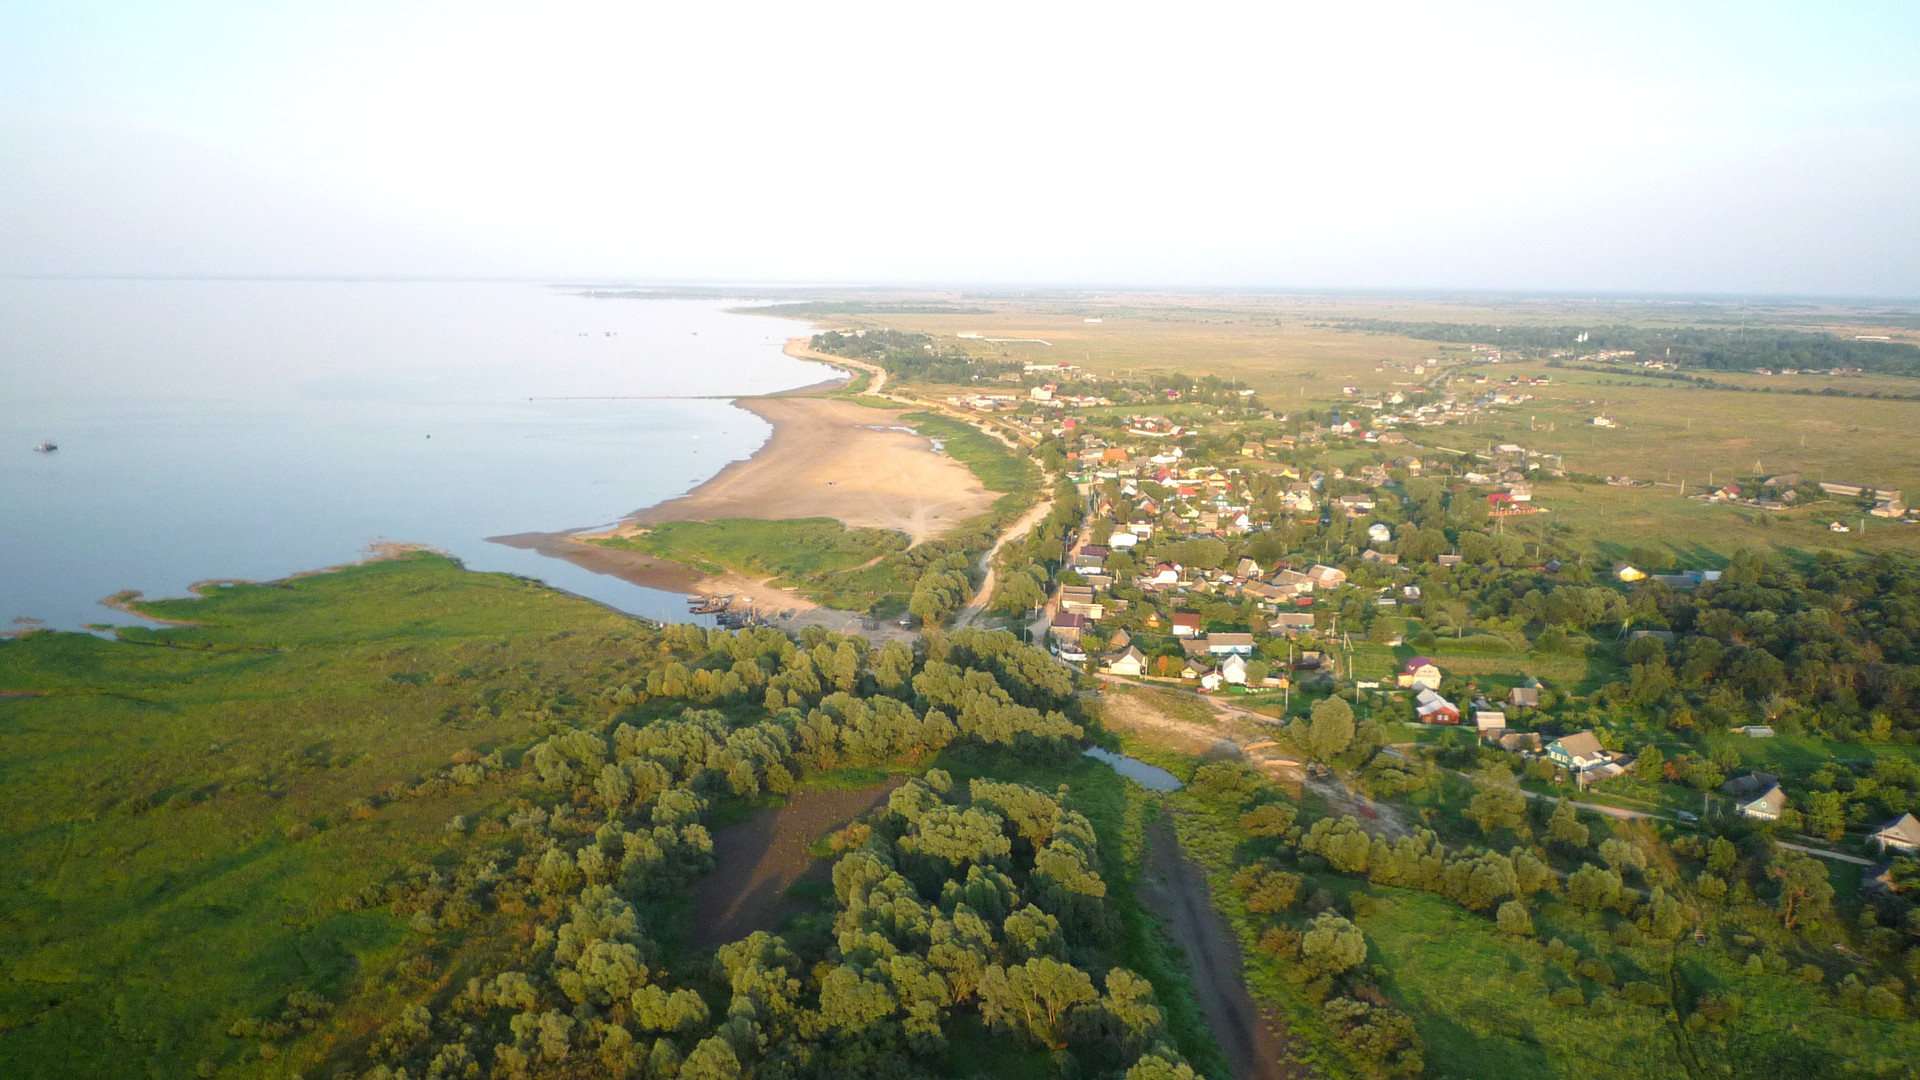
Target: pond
(1151,777)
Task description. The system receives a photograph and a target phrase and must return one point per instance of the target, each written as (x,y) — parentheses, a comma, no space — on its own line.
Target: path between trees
(1176,891)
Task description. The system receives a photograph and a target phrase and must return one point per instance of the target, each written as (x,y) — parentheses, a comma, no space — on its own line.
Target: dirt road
(1176,891)
(989,573)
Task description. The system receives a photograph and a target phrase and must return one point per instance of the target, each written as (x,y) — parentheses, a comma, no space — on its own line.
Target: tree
(1270,819)
(1514,920)
(1266,889)
(1806,893)
(1497,803)
(713,1059)
(1564,826)
(1331,945)
(1651,761)
(1331,730)
(1827,814)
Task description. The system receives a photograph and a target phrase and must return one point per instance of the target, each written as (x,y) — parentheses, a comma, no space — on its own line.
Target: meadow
(185,810)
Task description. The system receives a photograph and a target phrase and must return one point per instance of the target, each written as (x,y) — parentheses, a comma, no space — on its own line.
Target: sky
(1618,147)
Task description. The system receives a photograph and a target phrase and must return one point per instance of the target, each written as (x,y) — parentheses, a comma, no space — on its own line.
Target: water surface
(1151,777)
(256,429)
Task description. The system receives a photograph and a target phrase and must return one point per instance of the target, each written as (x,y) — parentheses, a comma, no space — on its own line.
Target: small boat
(46,448)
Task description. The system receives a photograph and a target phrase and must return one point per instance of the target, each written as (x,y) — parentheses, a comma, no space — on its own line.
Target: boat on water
(46,448)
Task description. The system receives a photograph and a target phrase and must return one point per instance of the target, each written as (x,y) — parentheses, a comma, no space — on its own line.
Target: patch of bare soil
(758,860)
(1176,890)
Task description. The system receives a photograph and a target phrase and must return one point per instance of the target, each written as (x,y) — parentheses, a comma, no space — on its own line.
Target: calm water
(255,429)
(1151,777)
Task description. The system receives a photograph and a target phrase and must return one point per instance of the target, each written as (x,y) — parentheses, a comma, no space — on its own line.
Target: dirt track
(1176,890)
(756,861)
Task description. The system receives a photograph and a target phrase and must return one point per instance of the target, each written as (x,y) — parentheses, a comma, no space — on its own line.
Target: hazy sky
(1670,146)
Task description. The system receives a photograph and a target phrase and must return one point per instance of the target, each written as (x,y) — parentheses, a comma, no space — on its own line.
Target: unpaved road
(1176,891)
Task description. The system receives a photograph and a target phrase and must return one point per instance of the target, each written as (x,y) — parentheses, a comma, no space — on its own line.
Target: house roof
(1419,662)
(1243,640)
(1904,829)
(1070,620)
(1580,744)
(1194,646)
(1775,799)
(1186,618)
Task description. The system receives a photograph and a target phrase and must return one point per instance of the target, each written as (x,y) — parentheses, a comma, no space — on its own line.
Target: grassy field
(1502,666)
(179,808)
(989,459)
(1671,431)
(791,548)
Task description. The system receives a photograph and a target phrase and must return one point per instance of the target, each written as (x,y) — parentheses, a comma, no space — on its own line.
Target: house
(1293,581)
(1386,558)
(1629,573)
(1195,646)
(1448,560)
(1241,644)
(1186,624)
(1068,626)
(1489,719)
(1122,539)
(1194,668)
(1234,670)
(1751,784)
(1327,577)
(1291,622)
(1900,834)
(1378,533)
(1120,640)
(1516,741)
(1420,671)
(1164,574)
(1767,807)
(1131,662)
(1431,708)
(1246,568)
(1578,752)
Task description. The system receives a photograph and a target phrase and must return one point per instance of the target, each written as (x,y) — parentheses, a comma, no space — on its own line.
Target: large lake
(214,429)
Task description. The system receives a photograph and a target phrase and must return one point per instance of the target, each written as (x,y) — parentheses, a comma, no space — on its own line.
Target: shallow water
(256,429)
(1151,777)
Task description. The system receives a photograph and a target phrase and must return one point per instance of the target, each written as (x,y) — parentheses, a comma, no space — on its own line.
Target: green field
(787,551)
(185,811)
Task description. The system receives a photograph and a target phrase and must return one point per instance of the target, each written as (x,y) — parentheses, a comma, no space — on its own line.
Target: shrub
(1566,997)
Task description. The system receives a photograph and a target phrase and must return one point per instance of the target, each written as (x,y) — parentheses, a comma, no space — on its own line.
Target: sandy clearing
(758,860)
(834,458)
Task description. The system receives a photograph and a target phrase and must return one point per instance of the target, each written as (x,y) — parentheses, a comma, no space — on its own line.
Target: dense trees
(985,898)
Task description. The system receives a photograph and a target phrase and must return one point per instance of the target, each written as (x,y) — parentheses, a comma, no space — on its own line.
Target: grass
(1501,665)
(989,459)
(791,549)
(149,894)
(1795,757)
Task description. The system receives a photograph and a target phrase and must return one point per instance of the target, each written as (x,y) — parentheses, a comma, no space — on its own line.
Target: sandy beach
(829,457)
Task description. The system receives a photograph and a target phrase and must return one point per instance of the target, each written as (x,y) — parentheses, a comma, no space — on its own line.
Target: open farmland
(1671,431)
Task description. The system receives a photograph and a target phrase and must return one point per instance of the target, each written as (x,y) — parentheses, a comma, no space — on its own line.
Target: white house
(1768,806)
(1378,533)
(1234,669)
(1900,834)
(1132,662)
(1122,539)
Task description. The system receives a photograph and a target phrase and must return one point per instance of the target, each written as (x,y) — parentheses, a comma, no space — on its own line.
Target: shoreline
(827,456)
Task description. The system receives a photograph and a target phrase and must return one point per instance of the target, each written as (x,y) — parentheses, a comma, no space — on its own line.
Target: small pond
(1151,777)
